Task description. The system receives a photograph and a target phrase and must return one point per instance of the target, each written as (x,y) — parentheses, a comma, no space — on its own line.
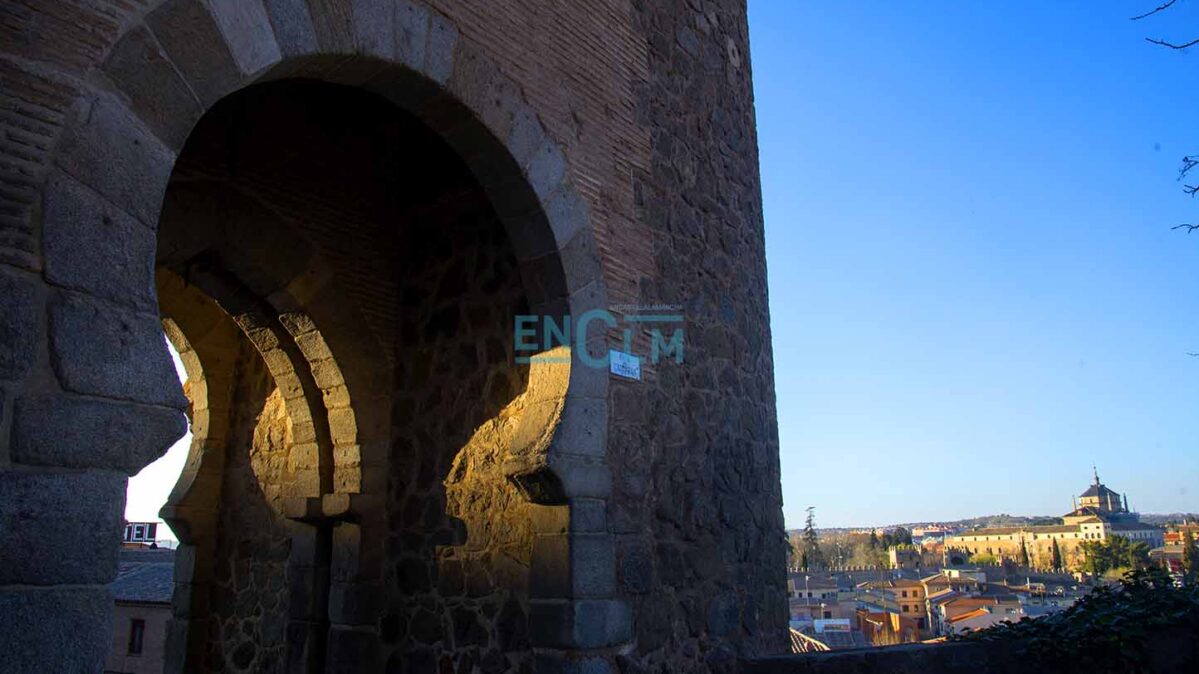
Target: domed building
(1100,502)
(1099,513)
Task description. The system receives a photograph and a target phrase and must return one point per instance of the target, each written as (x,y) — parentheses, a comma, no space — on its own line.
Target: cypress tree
(811,547)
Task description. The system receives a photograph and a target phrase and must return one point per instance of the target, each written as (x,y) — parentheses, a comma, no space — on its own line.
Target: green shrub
(1107,630)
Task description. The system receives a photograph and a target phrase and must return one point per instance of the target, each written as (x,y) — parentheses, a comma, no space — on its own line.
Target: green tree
(1096,557)
(813,557)
(1138,555)
(1117,552)
(792,554)
(1055,559)
(1023,555)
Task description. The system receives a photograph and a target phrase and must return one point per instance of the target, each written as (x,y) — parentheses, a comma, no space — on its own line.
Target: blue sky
(975,292)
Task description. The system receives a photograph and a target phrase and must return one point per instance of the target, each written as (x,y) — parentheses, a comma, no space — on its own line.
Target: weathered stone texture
(72,34)
(72,520)
(33,109)
(72,432)
(194,43)
(55,630)
(580,67)
(94,247)
(248,34)
(19,328)
(102,350)
(109,150)
(694,448)
(459,531)
(249,595)
(159,95)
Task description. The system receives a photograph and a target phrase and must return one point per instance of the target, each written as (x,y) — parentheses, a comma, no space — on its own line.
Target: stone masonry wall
(696,493)
(653,103)
(248,597)
(459,533)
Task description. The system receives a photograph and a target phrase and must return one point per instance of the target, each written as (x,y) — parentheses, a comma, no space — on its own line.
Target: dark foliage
(1106,631)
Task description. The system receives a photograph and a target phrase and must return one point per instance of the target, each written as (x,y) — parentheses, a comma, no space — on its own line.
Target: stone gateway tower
(371,229)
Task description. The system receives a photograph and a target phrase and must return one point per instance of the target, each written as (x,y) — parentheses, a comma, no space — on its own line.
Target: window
(907,609)
(137,634)
(828,615)
(904,594)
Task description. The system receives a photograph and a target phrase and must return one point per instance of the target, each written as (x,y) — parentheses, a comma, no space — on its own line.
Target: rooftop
(976,613)
(145,577)
(898,582)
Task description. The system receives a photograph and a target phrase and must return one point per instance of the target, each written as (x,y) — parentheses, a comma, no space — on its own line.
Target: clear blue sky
(974,290)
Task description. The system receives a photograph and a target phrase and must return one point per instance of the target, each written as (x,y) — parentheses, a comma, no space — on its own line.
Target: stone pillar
(75,419)
(335,593)
(60,533)
(88,396)
(575,621)
(188,626)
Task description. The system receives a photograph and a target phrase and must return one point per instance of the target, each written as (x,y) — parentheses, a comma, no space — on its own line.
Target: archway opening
(348,292)
(150,488)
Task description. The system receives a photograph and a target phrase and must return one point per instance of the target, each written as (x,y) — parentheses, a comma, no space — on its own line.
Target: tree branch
(1188,163)
(1171,45)
(1157,9)
(1188,228)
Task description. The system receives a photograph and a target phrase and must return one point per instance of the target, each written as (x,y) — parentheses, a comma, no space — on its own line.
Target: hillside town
(886,586)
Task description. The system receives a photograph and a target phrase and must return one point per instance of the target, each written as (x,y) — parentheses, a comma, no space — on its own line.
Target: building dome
(1101,498)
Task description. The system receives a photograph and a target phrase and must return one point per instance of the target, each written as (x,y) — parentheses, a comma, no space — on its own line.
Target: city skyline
(997,513)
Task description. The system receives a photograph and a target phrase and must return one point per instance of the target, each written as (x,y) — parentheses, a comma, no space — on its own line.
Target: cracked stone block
(64,430)
(60,528)
(93,246)
(98,349)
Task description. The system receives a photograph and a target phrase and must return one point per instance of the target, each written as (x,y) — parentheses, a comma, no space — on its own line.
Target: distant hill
(1158,518)
(1005,520)
(1000,520)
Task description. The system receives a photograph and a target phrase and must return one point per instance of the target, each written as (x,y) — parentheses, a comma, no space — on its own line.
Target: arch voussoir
(110,149)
